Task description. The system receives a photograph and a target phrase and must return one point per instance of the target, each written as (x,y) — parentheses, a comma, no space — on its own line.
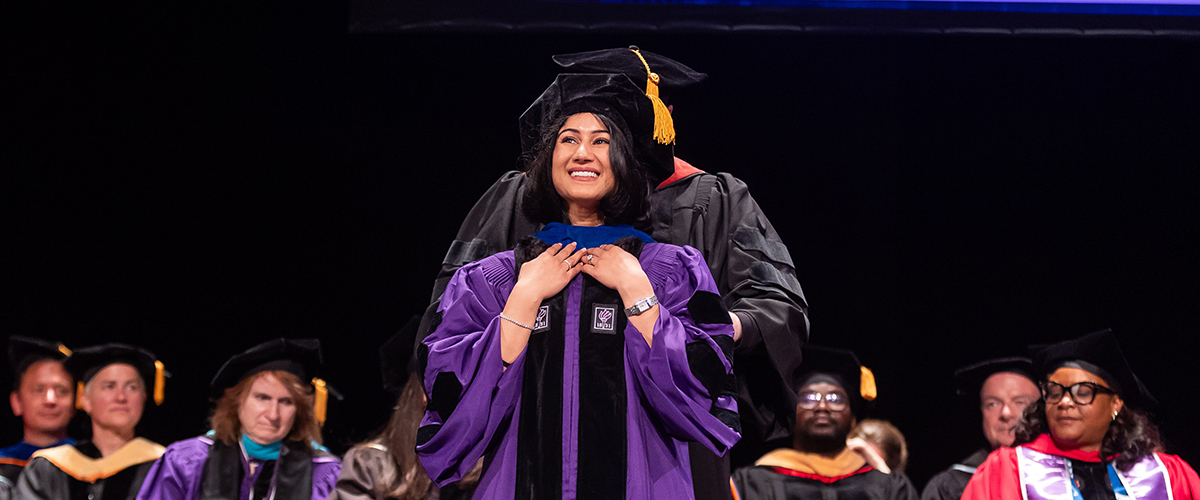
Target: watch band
(641,306)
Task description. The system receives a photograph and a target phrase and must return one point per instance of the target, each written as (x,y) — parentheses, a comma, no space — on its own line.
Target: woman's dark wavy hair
(627,204)
(1130,437)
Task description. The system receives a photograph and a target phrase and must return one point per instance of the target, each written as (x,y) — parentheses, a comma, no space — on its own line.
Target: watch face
(641,306)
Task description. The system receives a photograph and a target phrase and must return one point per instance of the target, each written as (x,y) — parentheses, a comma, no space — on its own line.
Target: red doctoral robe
(999,479)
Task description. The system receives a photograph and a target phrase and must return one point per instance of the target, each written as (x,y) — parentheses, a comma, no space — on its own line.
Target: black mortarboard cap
(635,107)
(85,362)
(673,75)
(25,351)
(968,380)
(1098,353)
(300,357)
(397,357)
(840,366)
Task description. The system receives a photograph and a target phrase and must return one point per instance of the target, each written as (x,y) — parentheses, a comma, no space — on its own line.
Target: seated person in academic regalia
(1088,438)
(112,380)
(881,444)
(386,467)
(43,396)
(1001,388)
(834,392)
(265,442)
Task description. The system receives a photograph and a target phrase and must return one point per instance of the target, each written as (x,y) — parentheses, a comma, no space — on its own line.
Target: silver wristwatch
(641,306)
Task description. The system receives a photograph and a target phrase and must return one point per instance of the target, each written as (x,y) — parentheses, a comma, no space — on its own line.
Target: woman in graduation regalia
(265,442)
(1088,438)
(386,467)
(580,364)
(111,465)
(714,213)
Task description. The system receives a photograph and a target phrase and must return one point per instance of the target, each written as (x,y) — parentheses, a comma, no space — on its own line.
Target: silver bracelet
(641,306)
(515,322)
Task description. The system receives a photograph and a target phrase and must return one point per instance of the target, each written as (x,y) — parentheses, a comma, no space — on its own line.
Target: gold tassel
(160,382)
(321,402)
(867,385)
(664,126)
(79,395)
(63,349)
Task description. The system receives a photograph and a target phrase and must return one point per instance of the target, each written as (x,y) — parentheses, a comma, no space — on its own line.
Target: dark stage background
(197,180)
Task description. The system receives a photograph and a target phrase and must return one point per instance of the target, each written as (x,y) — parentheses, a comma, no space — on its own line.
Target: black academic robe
(43,480)
(753,269)
(950,483)
(765,483)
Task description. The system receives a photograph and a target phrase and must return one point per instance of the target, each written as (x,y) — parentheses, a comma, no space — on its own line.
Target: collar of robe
(1045,444)
(588,236)
(224,472)
(70,460)
(261,451)
(846,463)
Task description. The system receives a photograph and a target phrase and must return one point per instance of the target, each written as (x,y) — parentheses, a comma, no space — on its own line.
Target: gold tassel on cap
(867,385)
(664,126)
(79,395)
(321,402)
(160,383)
(63,349)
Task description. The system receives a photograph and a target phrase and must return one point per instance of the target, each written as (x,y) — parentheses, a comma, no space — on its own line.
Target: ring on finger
(590,257)
(567,262)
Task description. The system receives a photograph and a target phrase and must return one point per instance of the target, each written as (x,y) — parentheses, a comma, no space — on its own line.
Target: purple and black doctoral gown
(587,410)
(181,472)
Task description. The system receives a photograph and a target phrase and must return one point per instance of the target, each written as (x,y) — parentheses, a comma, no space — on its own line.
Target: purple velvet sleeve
(325,473)
(176,474)
(467,344)
(662,372)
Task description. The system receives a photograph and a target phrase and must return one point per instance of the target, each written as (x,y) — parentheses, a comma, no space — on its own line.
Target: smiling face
(115,397)
(822,429)
(580,165)
(45,399)
(1002,398)
(1075,426)
(268,410)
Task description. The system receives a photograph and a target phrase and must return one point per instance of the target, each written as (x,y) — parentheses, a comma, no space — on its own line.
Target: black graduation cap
(637,108)
(300,357)
(25,351)
(672,75)
(969,379)
(840,367)
(85,362)
(1099,354)
(397,357)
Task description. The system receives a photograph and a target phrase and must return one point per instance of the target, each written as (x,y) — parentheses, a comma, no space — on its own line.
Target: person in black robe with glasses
(835,391)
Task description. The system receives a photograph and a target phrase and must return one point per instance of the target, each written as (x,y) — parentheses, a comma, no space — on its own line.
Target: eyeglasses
(1082,393)
(835,401)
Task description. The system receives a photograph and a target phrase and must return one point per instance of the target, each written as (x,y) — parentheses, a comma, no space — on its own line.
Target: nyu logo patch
(543,319)
(604,318)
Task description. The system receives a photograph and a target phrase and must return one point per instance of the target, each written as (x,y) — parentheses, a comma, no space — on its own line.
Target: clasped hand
(548,273)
